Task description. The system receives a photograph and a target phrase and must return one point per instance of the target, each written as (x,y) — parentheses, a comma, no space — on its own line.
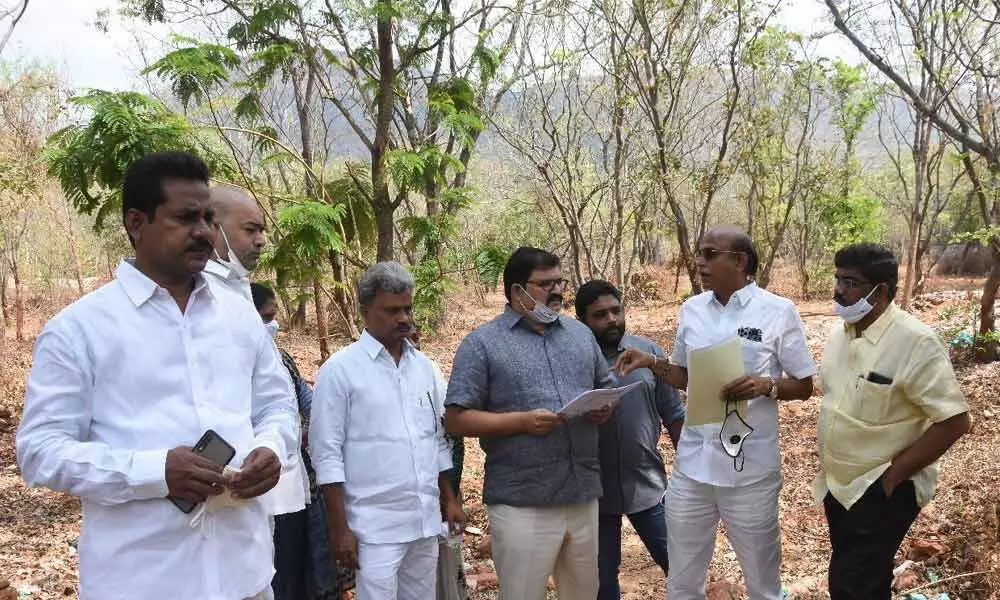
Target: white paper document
(709,370)
(596,399)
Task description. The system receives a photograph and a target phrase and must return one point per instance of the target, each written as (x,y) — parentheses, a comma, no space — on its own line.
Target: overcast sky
(62,33)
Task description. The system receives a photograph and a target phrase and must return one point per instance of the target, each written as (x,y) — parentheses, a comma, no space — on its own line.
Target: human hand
(345,549)
(631,359)
(454,516)
(259,473)
(191,477)
(745,388)
(601,415)
(540,421)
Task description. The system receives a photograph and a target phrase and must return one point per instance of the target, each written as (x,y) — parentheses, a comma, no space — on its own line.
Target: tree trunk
(987,347)
(298,319)
(322,333)
(19,300)
(912,262)
(381,200)
(3,298)
(342,298)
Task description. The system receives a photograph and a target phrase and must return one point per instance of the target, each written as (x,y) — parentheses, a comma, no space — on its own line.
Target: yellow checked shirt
(863,425)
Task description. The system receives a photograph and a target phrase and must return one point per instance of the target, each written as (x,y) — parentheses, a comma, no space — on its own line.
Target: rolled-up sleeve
(679,356)
(469,384)
(328,425)
(275,416)
(929,381)
(51,447)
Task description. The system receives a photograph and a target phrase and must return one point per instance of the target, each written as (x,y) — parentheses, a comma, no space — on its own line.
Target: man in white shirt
(238,246)
(731,470)
(378,447)
(128,377)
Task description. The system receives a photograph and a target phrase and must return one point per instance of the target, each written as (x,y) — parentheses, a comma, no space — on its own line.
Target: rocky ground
(953,548)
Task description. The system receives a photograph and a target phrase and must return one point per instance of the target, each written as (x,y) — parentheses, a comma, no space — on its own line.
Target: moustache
(554,298)
(199,247)
(839,300)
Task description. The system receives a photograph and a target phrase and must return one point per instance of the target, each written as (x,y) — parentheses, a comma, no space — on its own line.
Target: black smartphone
(212,447)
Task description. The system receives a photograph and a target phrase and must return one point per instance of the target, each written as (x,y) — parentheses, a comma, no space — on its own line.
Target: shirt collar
(216,268)
(874,332)
(140,288)
(510,317)
(373,347)
(741,296)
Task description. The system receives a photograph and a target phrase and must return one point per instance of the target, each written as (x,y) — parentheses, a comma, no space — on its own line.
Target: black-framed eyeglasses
(549,284)
(710,253)
(849,283)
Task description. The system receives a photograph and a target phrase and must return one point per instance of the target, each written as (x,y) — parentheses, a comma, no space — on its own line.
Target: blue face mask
(540,313)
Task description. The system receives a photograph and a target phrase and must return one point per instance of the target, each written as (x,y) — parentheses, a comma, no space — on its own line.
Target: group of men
(126,379)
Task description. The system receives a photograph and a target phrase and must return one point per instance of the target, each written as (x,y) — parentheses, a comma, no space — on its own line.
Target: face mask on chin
(272,327)
(540,313)
(233,263)
(853,313)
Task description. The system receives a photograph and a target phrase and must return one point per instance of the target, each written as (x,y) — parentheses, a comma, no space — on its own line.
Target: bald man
(731,470)
(240,238)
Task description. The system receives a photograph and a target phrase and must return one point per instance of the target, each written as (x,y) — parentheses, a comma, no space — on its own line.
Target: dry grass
(957,534)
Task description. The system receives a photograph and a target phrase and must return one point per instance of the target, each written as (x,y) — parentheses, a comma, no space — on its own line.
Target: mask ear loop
(740,459)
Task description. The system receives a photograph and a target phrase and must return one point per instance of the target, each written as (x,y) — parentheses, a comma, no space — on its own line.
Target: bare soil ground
(955,541)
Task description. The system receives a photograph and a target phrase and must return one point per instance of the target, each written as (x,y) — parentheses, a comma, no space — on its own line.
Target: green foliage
(310,231)
(958,326)
(195,69)
(431,289)
(854,99)
(90,160)
(490,260)
(851,220)
(358,223)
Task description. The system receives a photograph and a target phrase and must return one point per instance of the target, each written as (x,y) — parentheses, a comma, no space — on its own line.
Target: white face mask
(272,327)
(855,312)
(233,263)
(734,432)
(540,313)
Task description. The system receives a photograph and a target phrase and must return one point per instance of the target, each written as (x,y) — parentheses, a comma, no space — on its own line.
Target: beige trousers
(532,542)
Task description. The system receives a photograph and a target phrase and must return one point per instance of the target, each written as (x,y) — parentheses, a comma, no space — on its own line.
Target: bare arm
(470,422)
(343,544)
(632,359)
(928,448)
(674,431)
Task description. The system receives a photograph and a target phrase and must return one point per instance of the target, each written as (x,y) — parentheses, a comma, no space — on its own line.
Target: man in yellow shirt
(892,407)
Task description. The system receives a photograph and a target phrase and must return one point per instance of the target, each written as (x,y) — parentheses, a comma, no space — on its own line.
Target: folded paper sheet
(596,399)
(709,370)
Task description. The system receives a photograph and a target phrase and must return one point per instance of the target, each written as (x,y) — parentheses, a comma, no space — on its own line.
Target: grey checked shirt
(505,366)
(632,470)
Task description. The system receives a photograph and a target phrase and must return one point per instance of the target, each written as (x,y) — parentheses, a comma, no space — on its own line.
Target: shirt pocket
(426,419)
(873,402)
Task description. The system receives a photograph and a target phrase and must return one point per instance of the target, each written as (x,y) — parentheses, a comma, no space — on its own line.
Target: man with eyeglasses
(509,379)
(891,408)
(720,472)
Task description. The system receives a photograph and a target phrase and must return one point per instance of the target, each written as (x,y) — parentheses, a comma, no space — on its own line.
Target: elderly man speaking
(378,446)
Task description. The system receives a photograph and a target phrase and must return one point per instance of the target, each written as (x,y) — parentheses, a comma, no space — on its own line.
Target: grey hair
(389,277)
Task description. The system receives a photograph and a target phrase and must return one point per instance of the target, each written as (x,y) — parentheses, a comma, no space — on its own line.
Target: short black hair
(142,188)
(522,263)
(745,245)
(261,294)
(590,292)
(876,262)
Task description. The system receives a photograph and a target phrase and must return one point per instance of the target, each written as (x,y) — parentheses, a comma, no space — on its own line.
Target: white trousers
(750,514)
(532,542)
(405,571)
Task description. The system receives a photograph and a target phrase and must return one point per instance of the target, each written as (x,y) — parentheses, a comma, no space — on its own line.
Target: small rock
(4,584)
(484,549)
(4,413)
(486,581)
(922,550)
(724,590)
(906,581)
(8,593)
(68,591)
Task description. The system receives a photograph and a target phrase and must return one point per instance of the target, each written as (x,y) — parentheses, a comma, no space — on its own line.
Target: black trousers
(865,540)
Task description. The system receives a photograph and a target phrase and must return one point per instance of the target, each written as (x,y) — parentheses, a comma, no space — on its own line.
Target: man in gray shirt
(632,471)
(509,379)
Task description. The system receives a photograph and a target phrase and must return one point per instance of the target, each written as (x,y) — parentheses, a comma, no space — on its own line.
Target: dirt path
(956,535)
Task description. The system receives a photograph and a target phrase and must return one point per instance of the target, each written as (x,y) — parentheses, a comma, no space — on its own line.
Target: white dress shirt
(377,428)
(292,492)
(773,340)
(120,377)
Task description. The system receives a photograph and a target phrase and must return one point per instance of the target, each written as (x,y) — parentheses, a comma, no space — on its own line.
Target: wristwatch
(772,392)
